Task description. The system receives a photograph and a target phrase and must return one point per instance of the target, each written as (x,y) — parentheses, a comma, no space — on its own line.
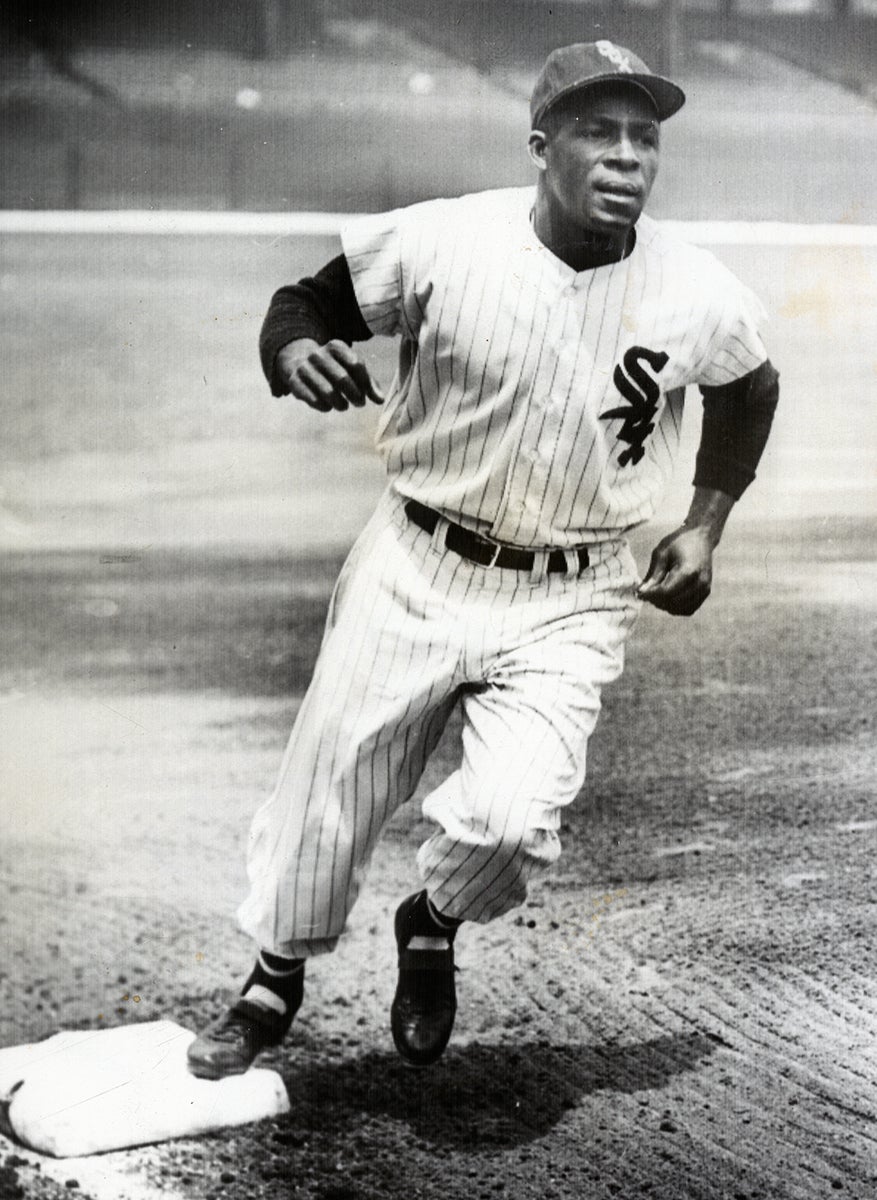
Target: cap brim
(667,97)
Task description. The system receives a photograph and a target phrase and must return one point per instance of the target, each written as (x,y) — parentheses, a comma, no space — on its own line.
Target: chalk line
(326,224)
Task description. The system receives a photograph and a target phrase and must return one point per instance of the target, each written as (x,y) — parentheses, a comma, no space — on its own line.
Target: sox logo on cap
(616,57)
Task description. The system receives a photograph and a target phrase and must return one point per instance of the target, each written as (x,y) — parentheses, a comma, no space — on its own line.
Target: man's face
(599,155)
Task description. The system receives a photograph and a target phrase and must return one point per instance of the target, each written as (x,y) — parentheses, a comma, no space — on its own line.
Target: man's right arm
(305,343)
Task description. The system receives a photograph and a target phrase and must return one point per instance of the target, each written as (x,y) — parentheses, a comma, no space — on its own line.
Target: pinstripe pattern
(494,420)
(414,630)
(508,359)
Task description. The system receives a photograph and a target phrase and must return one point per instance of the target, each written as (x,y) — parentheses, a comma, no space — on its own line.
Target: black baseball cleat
(231,1045)
(425,1004)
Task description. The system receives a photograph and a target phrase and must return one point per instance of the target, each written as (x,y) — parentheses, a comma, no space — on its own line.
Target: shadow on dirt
(480,1095)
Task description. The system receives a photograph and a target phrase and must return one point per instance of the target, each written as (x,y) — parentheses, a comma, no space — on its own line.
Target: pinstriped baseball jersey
(538,405)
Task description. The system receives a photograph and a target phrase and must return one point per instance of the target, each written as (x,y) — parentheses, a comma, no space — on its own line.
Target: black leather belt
(488,554)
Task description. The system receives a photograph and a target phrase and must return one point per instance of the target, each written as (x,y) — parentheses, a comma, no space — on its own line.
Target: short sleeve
(736,346)
(372,247)
(389,255)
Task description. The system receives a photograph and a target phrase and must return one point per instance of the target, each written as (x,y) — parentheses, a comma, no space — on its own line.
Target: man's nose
(624,151)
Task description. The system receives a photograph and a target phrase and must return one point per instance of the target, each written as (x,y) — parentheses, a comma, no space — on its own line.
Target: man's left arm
(736,422)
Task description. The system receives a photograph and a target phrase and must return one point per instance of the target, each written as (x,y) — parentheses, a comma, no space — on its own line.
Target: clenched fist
(680,574)
(325,377)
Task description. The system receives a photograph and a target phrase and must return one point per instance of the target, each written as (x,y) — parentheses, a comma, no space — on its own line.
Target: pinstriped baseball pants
(412,630)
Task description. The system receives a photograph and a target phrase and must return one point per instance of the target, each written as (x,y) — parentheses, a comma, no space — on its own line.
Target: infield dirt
(685,1008)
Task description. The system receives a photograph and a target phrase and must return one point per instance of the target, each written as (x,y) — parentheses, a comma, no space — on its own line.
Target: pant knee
(527,840)
(517,861)
(482,881)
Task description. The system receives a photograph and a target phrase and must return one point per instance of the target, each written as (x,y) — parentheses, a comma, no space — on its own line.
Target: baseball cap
(571,68)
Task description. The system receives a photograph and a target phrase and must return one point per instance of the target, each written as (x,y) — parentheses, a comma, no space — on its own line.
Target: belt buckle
(496,550)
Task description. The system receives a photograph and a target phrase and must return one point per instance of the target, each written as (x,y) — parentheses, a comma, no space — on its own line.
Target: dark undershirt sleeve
(736,422)
(322,307)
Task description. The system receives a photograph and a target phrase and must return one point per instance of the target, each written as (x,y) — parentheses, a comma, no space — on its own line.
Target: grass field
(149,423)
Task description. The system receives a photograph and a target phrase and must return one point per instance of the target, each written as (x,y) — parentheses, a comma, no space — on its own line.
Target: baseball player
(547,335)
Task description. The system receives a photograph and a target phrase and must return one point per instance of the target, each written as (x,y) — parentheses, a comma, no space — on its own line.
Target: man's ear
(536,146)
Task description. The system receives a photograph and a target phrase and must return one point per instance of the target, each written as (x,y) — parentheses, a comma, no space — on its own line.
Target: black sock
(283,977)
(424,920)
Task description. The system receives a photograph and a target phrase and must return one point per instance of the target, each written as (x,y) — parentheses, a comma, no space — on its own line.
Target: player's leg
(382,690)
(381,693)
(525,736)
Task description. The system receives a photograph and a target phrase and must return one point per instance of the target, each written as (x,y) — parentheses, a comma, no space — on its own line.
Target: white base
(86,1092)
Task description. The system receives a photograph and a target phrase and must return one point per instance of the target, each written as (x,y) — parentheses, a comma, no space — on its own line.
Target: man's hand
(325,377)
(680,573)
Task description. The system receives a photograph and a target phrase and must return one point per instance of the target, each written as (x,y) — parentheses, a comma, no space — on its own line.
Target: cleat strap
(274,1024)
(426,960)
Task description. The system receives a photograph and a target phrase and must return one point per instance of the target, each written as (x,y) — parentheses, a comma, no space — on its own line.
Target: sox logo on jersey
(641,392)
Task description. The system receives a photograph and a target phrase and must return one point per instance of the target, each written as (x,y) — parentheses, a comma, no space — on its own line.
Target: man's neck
(581,249)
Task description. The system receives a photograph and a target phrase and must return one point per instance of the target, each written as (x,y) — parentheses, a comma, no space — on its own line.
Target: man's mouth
(623,190)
